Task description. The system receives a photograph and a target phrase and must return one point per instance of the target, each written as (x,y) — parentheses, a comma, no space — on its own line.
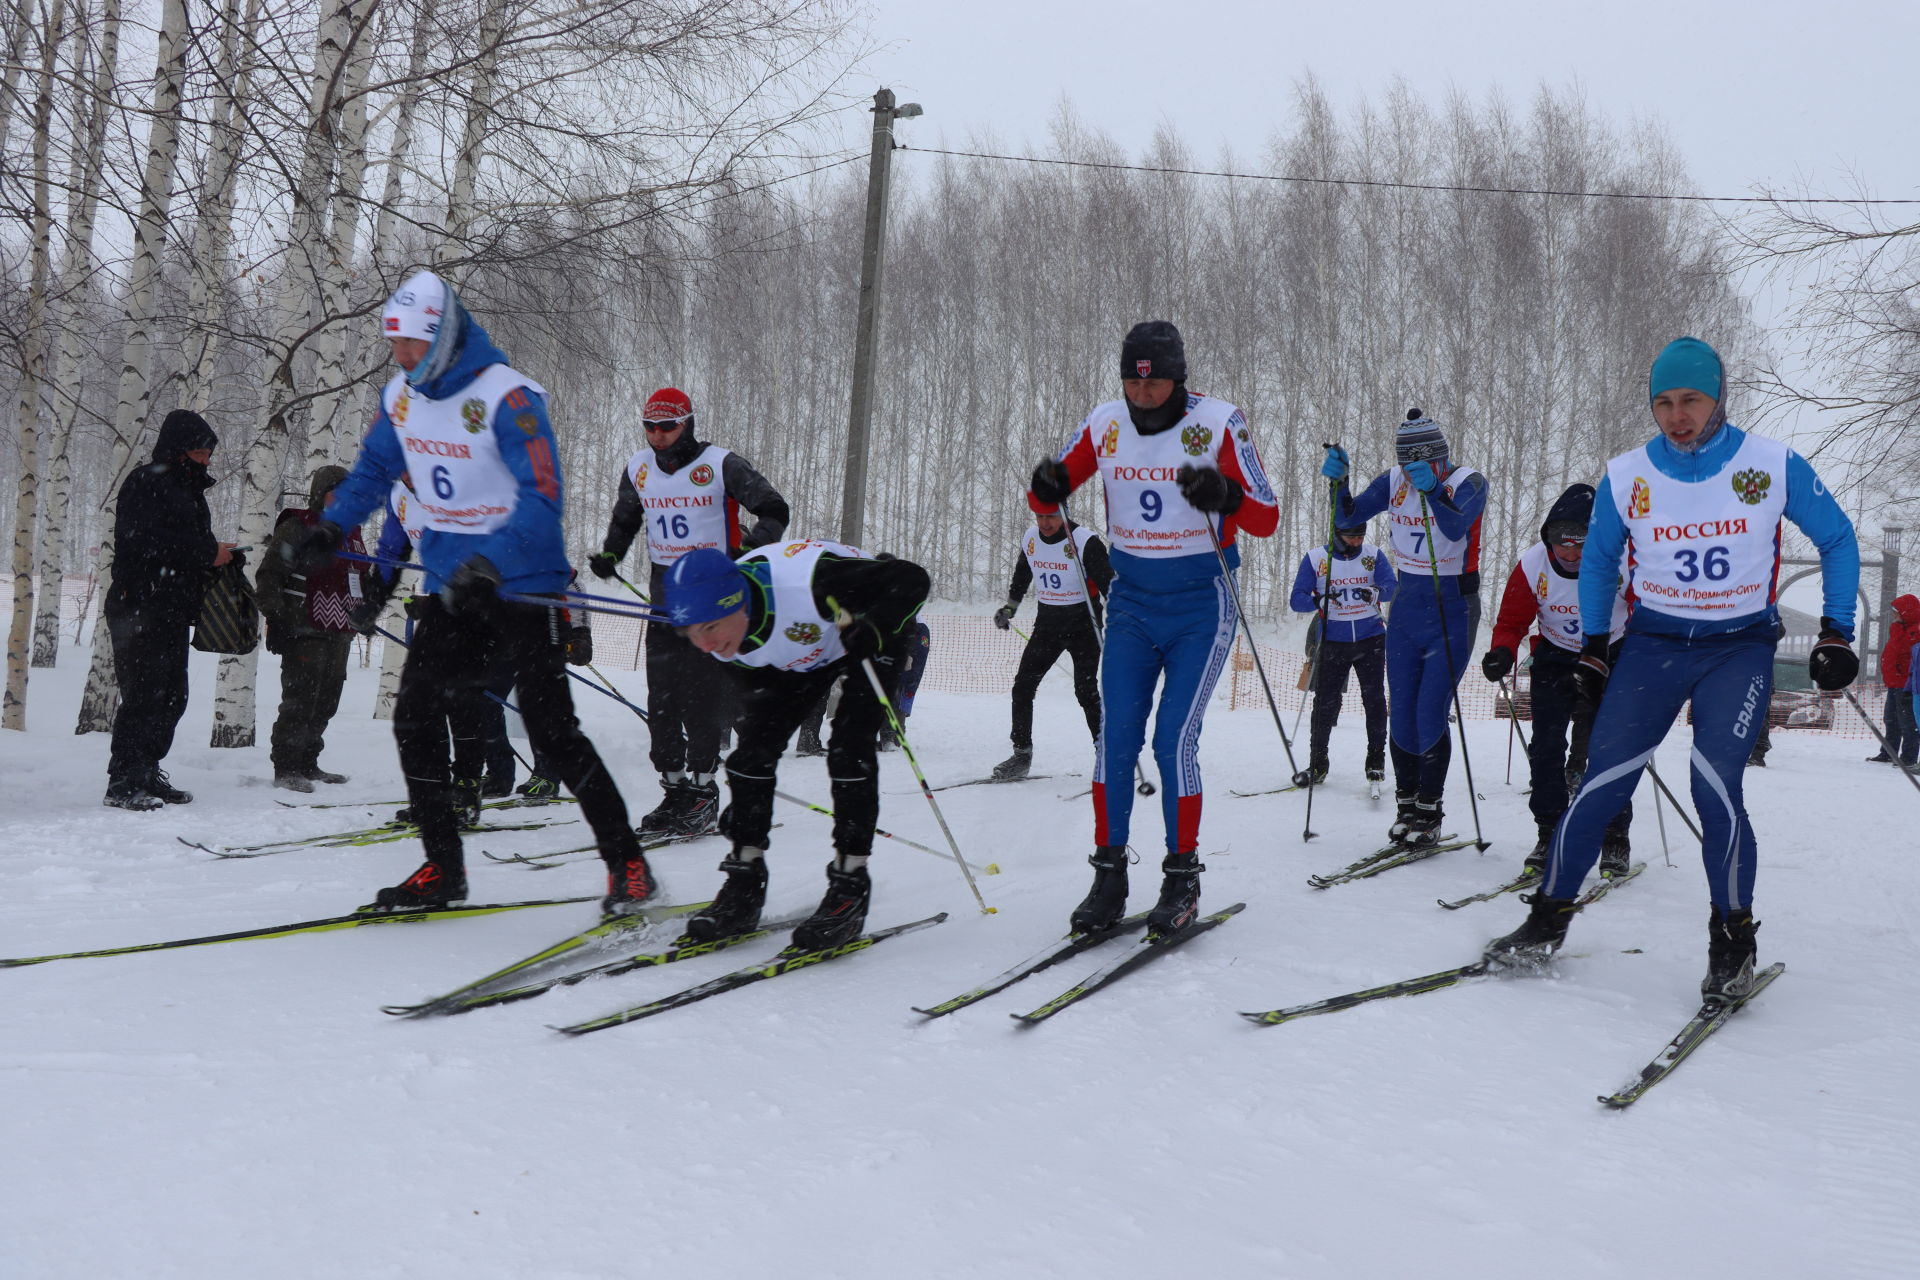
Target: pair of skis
(1386,858)
(386,833)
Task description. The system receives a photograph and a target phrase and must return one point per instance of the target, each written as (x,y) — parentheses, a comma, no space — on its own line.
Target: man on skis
(1066,564)
(1346,582)
(472,434)
(1696,515)
(1182,479)
(687,495)
(1544,588)
(1434,507)
(790,619)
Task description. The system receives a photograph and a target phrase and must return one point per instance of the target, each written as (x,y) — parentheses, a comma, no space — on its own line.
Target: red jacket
(1896,660)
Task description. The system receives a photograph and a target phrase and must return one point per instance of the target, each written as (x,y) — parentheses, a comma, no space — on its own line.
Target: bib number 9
(1151,506)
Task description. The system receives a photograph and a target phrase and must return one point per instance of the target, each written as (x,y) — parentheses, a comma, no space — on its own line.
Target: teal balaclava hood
(1689,362)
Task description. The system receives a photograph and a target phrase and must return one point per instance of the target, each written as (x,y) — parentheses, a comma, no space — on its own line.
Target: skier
(472,434)
(919,645)
(1063,562)
(686,494)
(1544,588)
(1182,477)
(1434,505)
(1899,675)
(163,553)
(1697,512)
(790,619)
(310,624)
(1350,579)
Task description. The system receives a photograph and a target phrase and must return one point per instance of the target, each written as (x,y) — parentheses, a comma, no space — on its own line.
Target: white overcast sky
(1757,92)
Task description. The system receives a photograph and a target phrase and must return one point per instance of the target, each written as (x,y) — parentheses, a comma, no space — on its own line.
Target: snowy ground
(246,1111)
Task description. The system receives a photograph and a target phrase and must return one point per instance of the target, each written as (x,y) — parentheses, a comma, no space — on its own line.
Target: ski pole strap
(384,562)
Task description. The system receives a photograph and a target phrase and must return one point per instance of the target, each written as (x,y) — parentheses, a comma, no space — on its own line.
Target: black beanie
(182,431)
(1152,349)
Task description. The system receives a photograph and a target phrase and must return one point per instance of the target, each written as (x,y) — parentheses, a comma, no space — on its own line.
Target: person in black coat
(163,553)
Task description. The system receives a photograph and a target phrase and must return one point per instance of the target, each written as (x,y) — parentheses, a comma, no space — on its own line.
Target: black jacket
(738,478)
(163,543)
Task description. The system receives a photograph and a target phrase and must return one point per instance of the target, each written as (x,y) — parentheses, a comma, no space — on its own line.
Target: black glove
(1833,663)
(580,645)
(1209,490)
(601,564)
(472,587)
(1051,483)
(1363,594)
(365,616)
(861,637)
(1003,617)
(1497,663)
(313,546)
(237,559)
(1591,671)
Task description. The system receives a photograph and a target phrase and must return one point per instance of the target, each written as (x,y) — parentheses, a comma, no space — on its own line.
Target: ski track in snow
(244,1110)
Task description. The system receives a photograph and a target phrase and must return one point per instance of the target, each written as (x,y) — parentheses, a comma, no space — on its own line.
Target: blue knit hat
(1687,362)
(1419,439)
(703,585)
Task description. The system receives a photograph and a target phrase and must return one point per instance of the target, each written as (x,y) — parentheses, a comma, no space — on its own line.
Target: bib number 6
(442,483)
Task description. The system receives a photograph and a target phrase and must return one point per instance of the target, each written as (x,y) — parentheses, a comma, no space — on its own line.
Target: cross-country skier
(1544,588)
(472,434)
(1696,512)
(1182,478)
(790,619)
(686,494)
(1061,562)
(1434,506)
(1350,579)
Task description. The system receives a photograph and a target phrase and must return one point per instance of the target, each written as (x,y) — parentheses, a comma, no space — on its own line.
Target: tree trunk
(213,232)
(13,709)
(75,278)
(328,439)
(386,220)
(101,697)
(473,138)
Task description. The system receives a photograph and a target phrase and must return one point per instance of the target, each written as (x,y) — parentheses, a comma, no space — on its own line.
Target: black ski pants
(455,658)
(772,705)
(1562,724)
(1367,659)
(1058,629)
(150,666)
(312,670)
(689,703)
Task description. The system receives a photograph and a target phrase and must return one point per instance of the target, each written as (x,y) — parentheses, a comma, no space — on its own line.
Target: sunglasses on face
(666,425)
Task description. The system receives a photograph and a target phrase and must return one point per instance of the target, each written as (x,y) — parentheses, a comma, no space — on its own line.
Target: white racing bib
(407,512)
(1146,514)
(1058,575)
(1409,530)
(461,484)
(798,637)
(1557,600)
(1350,577)
(1708,548)
(687,509)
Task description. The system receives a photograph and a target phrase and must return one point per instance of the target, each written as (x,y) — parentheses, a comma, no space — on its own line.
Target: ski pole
(1513,715)
(1912,775)
(1659,782)
(992,868)
(621,579)
(1660,816)
(1259,667)
(1141,786)
(1313,668)
(1446,644)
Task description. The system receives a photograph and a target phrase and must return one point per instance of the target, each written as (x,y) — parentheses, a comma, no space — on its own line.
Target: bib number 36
(1714,564)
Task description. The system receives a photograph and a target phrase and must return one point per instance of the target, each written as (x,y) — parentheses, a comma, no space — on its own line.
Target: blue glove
(1336,466)
(1422,476)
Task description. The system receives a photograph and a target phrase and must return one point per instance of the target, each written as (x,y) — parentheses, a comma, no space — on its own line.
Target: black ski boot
(660,819)
(496,785)
(841,915)
(157,784)
(122,794)
(1731,948)
(317,774)
(810,744)
(736,907)
(1537,860)
(433,885)
(699,810)
(630,883)
(1538,938)
(1106,902)
(1376,768)
(1015,766)
(1615,853)
(294,782)
(538,788)
(1179,903)
(1423,822)
(1404,802)
(1311,776)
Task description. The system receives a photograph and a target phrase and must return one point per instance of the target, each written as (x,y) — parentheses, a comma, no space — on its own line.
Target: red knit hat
(668,404)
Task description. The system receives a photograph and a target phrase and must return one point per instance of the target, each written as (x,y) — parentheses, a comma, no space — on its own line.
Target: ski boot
(1376,768)
(842,914)
(1615,849)
(538,788)
(1423,822)
(1179,903)
(1404,802)
(122,794)
(466,803)
(889,740)
(1311,776)
(1537,860)
(810,744)
(736,908)
(495,785)
(433,885)
(629,883)
(157,784)
(1731,949)
(1537,938)
(1106,902)
(294,782)
(699,809)
(1015,766)
(660,820)
(317,774)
